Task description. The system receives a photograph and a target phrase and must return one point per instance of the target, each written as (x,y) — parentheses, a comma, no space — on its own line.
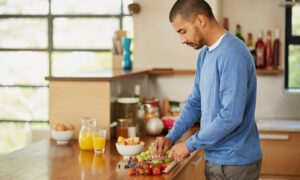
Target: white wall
(157,45)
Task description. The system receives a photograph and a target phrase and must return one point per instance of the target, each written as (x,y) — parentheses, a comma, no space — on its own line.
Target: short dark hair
(190,9)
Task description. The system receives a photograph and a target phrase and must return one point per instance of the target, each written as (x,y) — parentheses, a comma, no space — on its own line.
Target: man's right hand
(161,145)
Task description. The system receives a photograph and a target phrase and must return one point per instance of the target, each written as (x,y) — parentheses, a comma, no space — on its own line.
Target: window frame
(289,40)
(50,49)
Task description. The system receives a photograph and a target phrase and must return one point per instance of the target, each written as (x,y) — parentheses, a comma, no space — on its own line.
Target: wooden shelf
(269,71)
(171,72)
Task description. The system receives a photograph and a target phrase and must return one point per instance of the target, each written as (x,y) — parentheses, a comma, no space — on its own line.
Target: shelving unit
(269,71)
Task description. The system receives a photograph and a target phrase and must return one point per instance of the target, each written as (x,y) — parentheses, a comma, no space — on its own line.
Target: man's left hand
(179,152)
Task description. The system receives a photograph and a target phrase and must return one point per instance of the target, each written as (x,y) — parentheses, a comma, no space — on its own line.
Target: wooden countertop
(47,160)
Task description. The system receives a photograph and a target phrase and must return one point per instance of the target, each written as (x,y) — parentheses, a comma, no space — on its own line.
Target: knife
(169,167)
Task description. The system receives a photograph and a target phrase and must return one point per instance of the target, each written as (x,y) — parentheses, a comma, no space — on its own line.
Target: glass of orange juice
(99,140)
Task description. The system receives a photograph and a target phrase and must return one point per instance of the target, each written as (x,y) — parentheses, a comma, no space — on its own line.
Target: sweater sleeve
(191,111)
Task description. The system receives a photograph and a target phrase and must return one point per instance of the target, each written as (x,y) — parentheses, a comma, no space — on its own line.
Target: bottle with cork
(269,51)
(276,49)
(260,52)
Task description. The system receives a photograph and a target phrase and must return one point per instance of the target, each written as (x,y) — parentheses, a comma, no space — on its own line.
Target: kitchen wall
(157,45)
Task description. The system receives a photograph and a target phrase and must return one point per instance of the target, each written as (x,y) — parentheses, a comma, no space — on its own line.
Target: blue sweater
(224,96)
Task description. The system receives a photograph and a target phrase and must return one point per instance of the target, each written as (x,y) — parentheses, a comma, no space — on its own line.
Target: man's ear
(201,20)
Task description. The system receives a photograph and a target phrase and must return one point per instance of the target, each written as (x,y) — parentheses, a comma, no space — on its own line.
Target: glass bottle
(226,23)
(269,51)
(276,49)
(238,32)
(249,41)
(127,64)
(86,133)
(260,52)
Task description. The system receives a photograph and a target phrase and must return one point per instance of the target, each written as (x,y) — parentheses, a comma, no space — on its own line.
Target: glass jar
(151,108)
(127,108)
(126,128)
(86,133)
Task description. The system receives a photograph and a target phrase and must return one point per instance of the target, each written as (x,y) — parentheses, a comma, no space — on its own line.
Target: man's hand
(161,145)
(179,152)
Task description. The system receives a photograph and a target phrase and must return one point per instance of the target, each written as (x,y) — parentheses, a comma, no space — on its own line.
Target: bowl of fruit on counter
(129,147)
(62,133)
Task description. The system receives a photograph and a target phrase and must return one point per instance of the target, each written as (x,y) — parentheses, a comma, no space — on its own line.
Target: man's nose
(182,40)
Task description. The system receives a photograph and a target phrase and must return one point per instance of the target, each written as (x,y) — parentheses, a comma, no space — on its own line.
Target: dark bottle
(269,51)
(276,49)
(260,52)
(226,24)
(238,32)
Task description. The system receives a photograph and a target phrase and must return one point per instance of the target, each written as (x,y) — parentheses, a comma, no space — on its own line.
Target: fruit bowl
(130,150)
(62,137)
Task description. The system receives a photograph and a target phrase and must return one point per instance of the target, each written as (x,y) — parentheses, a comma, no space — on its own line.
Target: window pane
(294,66)
(19,138)
(11,141)
(84,33)
(125,6)
(23,33)
(86,6)
(128,26)
(24,6)
(27,68)
(296,21)
(24,103)
(80,62)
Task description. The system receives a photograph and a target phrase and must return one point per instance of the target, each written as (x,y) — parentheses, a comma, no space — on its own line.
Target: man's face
(189,32)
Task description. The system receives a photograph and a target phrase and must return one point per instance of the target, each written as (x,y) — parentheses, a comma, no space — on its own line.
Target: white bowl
(62,137)
(130,150)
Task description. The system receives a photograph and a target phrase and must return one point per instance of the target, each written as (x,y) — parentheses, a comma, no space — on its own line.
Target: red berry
(141,171)
(132,172)
(161,166)
(148,171)
(156,171)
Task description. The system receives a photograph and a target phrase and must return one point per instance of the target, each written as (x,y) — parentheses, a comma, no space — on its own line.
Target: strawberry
(151,165)
(156,171)
(148,171)
(132,172)
(141,171)
(161,166)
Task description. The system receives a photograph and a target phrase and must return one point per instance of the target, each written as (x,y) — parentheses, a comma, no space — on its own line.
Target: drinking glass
(99,140)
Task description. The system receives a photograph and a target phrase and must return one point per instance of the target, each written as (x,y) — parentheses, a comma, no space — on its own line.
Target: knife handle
(169,167)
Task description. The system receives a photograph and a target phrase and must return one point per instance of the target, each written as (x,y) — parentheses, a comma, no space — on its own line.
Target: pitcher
(86,133)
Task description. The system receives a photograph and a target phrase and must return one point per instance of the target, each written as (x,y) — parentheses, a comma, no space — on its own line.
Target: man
(223,95)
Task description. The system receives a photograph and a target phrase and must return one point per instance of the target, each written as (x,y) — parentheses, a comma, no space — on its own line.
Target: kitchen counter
(47,160)
(278,125)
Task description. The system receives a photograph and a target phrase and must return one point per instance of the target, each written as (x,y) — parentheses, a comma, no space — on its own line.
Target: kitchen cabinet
(281,154)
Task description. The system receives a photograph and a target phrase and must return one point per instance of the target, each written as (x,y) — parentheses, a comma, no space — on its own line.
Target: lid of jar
(127,100)
(125,122)
(150,100)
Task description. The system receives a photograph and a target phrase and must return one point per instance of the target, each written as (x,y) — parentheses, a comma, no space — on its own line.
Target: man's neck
(214,32)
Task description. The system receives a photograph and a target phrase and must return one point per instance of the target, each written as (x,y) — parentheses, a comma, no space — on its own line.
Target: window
(42,38)
(292,49)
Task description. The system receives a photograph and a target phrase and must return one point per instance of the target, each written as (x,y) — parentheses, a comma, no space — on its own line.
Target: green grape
(140,159)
